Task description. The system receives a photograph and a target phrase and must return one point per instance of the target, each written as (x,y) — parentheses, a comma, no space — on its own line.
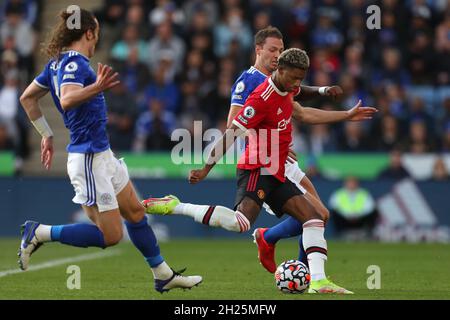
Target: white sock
(215,216)
(44,233)
(315,247)
(162,271)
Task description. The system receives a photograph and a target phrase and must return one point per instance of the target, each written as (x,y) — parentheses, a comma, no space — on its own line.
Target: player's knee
(250,209)
(112,238)
(136,215)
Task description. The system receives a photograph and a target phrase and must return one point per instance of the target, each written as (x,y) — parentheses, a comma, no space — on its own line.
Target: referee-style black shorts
(264,188)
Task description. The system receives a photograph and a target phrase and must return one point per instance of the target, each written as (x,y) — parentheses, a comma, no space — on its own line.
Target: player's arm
(317,116)
(220,148)
(30,103)
(234,110)
(73,95)
(308,92)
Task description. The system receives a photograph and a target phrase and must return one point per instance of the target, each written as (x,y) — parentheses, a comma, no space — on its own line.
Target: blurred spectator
(209,7)
(6,143)
(353,138)
(231,28)
(391,70)
(419,140)
(274,11)
(440,171)
(320,140)
(446,139)
(16,29)
(166,11)
(29,8)
(9,105)
(299,20)
(130,40)
(352,208)
(163,86)
(165,44)
(135,75)
(387,132)
(122,115)
(325,34)
(153,128)
(395,170)
(442,46)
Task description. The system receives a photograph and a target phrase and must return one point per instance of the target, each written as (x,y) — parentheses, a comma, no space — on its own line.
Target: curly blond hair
(294,58)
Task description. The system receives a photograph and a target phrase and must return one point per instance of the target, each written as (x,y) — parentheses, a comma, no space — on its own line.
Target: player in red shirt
(266,116)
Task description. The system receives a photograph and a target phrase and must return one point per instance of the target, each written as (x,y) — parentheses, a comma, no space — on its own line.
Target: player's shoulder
(71,61)
(249,78)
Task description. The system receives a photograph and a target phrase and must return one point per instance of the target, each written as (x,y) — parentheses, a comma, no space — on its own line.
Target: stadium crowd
(178,60)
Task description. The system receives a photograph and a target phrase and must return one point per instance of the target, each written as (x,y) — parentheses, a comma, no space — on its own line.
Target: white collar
(76,52)
(281,93)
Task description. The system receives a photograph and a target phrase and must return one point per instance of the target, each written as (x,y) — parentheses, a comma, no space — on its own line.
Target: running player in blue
(268,47)
(101,182)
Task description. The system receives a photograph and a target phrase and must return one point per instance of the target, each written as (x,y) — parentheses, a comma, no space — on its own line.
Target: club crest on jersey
(71,67)
(240,86)
(249,112)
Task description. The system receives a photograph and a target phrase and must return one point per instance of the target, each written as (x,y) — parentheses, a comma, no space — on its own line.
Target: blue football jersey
(86,122)
(245,84)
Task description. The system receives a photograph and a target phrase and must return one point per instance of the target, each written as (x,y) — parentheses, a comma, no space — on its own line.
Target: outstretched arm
(74,95)
(308,92)
(217,152)
(317,116)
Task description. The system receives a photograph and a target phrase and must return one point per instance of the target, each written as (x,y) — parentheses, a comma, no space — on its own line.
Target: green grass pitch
(230,270)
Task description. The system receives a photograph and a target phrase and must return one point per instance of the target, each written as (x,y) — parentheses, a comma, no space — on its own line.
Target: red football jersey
(267,115)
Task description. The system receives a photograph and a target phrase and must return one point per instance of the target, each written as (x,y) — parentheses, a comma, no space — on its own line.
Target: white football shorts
(293,173)
(97,178)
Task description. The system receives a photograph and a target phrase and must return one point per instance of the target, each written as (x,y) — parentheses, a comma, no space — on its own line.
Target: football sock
(143,238)
(215,216)
(315,247)
(287,228)
(43,233)
(78,235)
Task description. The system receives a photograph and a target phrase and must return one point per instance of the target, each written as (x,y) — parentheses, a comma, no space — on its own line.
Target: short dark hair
(294,58)
(268,32)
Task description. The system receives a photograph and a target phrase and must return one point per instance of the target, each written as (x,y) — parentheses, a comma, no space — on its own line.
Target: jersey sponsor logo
(279,111)
(237,96)
(242,119)
(69,76)
(71,67)
(240,87)
(282,125)
(249,112)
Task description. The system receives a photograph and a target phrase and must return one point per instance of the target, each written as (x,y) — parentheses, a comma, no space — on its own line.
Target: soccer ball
(292,276)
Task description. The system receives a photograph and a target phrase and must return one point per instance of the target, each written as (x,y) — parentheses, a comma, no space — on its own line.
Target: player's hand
(47,152)
(292,156)
(334,92)
(106,77)
(359,113)
(198,175)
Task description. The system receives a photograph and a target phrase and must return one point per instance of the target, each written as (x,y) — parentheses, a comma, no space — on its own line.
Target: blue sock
(78,235)
(143,238)
(287,228)
(301,251)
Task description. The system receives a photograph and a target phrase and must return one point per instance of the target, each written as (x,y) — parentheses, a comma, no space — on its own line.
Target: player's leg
(106,232)
(251,185)
(314,241)
(143,237)
(266,238)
